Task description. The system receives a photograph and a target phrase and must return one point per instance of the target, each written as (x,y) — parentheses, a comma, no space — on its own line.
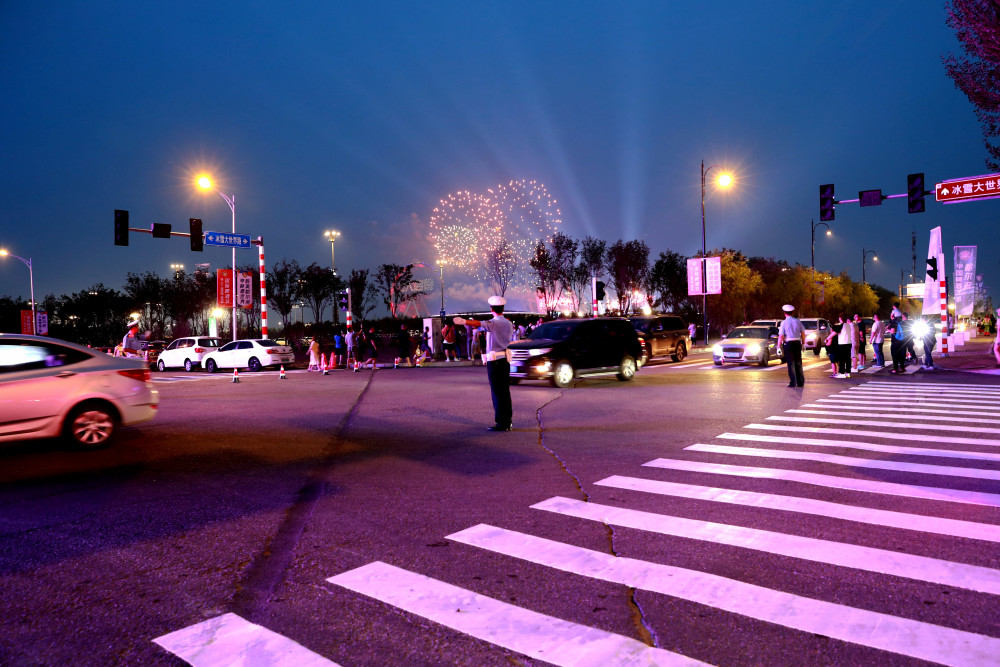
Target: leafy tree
(317,287)
(977,74)
(364,294)
(145,293)
(740,284)
(593,256)
(546,276)
(629,267)
(283,288)
(502,266)
(668,285)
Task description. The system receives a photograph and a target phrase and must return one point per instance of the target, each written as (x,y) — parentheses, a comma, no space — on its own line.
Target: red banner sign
(967,189)
(224,288)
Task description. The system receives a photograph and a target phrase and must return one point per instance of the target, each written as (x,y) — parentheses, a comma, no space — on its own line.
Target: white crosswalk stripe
(877,426)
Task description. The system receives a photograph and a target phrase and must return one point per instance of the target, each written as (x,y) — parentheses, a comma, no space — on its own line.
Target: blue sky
(361,117)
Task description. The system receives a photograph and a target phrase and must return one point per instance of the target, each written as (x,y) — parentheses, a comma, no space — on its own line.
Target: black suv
(561,350)
(662,335)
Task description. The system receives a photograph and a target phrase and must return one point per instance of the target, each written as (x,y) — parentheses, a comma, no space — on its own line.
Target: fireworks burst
(496,231)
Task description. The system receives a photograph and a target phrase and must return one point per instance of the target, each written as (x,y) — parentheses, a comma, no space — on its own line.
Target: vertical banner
(932,285)
(713,275)
(224,288)
(42,322)
(26,322)
(244,289)
(694,277)
(965,280)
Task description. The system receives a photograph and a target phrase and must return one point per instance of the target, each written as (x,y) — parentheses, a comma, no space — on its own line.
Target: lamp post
(205,183)
(902,274)
(724,180)
(177,268)
(31,284)
(332,235)
(441,264)
(812,255)
(864,262)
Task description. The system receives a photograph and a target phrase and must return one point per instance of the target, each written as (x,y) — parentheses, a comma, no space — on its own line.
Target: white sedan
(49,387)
(252,353)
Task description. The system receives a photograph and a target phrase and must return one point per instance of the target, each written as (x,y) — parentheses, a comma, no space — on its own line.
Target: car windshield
(748,332)
(553,331)
(810,324)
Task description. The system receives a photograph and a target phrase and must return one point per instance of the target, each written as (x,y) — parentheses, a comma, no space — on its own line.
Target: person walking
(877,339)
(349,340)
(791,338)
(860,341)
(369,350)
(338,349)
(844,341)
(314,353)
(403,347)
(692,330)
(448,341)
(499,332)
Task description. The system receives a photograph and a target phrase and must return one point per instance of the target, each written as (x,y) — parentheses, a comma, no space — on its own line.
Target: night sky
(360,117)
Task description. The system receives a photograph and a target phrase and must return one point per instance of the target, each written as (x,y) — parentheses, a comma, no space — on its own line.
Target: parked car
(151,351)
(50,387)
(662,335)
(817,329)
(187,353)
(562,350)
(252,353)
(748,344)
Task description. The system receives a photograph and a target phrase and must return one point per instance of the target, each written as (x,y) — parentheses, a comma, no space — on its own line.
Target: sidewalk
(975,356)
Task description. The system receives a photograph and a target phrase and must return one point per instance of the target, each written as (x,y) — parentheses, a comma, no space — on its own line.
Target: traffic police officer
(499,332)
(791,336)
(131,347)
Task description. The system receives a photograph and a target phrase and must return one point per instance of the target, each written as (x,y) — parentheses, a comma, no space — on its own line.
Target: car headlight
(544,366)
(753,348)
(539,350)
(811,337)
(717,350)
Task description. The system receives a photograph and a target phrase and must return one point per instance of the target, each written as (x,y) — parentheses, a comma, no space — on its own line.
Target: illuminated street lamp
(864,262)
(177,268)
(332,235)
(31,283)
(205,184)
(724,181)
(441,264)
(815,225)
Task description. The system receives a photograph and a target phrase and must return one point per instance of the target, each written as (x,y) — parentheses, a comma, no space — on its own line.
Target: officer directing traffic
(131,347)
(499,332)
(791,336)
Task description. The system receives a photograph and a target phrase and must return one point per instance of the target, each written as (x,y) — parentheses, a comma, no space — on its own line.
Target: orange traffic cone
(322,364)
(236,375)
(281,376)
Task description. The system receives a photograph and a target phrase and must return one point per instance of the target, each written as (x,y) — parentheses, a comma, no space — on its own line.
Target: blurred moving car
(252,353)
(187,353)
(748,344)
(50,387)
(562,350)
(817,329)
(661,335)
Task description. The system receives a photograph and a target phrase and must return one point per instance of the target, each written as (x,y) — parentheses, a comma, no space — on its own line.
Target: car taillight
(140,374)
(200,350)
(273,351)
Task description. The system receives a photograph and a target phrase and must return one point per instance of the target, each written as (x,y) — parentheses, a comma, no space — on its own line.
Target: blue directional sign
(227,239)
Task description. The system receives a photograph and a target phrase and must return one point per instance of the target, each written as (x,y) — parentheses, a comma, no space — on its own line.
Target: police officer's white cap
(133,323)
(497,301)
(788,308)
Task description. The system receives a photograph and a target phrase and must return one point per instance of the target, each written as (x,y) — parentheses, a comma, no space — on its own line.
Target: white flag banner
(932,285)
(965,279)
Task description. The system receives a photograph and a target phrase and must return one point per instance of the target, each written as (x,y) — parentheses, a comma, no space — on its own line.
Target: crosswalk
(703,363)
(880,446)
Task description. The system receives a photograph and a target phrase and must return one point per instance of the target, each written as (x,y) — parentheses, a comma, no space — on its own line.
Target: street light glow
(725,180)
(204,182)
(3,252)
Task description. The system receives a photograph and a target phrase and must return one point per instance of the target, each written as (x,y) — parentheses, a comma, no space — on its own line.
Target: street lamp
(205,183)
(177,268)
(441,263)
(31,283)
(332,235)
(812,288)
(724,181)
(902,274)
(864,262)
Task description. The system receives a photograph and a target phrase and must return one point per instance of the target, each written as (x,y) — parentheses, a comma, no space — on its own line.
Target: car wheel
(679,353)
(718,363)
(91,426)
(210,366)
(765,358)
(254,364)
(514,381)
(188,366)
(562,374)
(626,369)
(161,366)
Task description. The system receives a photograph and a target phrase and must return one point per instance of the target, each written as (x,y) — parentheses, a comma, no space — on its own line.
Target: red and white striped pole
(263,290)
(593,294)
(944,314)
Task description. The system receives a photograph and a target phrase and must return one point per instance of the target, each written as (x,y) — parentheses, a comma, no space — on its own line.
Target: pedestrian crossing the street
(852,475)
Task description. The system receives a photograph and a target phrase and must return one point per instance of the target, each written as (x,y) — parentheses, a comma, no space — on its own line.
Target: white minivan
(187,353)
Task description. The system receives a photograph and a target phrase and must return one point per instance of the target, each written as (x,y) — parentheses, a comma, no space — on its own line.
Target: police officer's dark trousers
(499,373)
(792,350)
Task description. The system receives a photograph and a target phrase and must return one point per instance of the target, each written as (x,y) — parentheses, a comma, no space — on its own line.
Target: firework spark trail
(469,230)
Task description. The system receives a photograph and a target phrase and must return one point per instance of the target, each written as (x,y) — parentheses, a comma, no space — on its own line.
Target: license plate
(732,355)
(515,368)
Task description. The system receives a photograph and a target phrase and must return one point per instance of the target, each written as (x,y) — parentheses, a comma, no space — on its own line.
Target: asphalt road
(369,519)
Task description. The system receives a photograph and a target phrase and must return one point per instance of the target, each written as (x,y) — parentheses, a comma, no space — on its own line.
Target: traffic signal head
(932,268)
(826,202)
(600,294)
(915,193)
(121,227)
(197,238)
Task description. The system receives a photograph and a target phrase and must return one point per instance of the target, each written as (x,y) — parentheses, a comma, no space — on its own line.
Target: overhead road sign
(969,188)
(227,239)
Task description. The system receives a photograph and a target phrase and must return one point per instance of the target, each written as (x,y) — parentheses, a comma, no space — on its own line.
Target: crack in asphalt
(645,632)
(268,569)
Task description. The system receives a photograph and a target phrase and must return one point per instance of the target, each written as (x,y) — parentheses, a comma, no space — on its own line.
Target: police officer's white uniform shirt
(499,332)
(130,342)
(791,328)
